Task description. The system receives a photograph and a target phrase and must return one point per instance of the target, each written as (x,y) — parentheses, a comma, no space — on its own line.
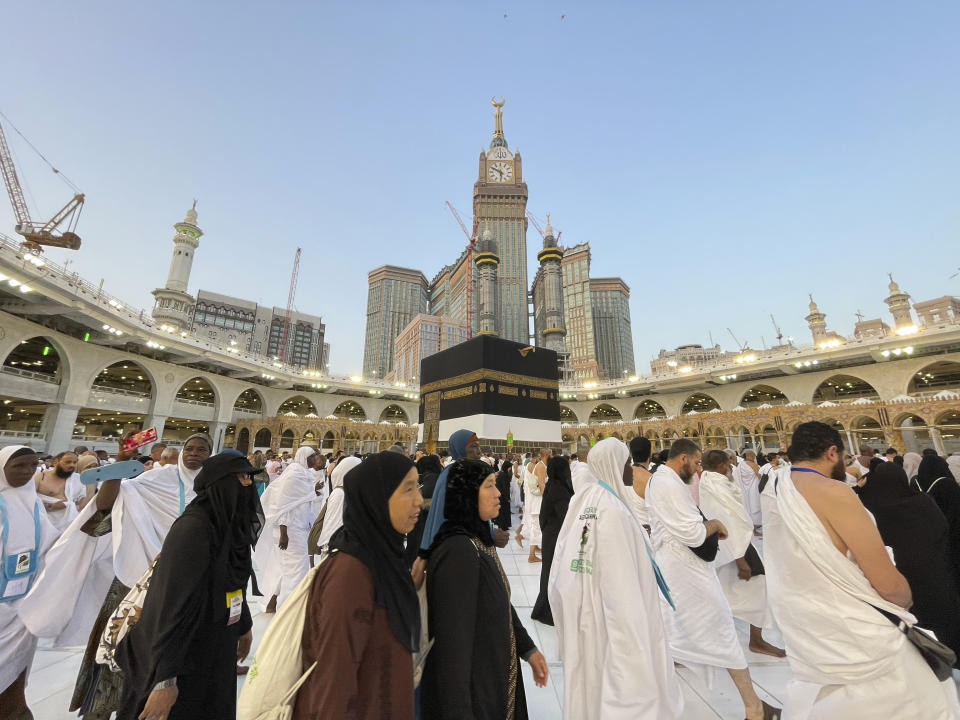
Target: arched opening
(230,437)
(763,395)
(768,438)
(298,405)
(249,402)
(97,425)
(35,358)
(21,419)
(286,440)
(309,439)
(351,442)
(349,410)
(124,378)
(844,388)
(583,446)
(369,444)
(914,432)
(197,391)
(649,409)
(699,402)
(949,425)
(243,441)
(943,375)
(743,439)
(328,443)
(715,438)
(605,413)
(567,415)
(569,443)
(394,414)
(867,431)
(177,430)
(261,441)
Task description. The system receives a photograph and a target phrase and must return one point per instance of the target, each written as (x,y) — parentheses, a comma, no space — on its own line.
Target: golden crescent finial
(493,101)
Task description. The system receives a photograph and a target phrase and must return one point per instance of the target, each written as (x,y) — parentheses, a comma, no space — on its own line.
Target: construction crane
(35,236)
(740,346)
(532,219)
(282,352)
(471,242)
(777,328)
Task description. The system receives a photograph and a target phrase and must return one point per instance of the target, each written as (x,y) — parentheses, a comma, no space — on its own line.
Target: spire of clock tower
(499,140)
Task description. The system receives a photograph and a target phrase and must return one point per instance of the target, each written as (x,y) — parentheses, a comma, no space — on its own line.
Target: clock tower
(499,209)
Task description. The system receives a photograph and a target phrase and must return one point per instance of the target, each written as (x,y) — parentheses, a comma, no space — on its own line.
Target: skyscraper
(575,268)
(499,205)
(610,307)
(395,295)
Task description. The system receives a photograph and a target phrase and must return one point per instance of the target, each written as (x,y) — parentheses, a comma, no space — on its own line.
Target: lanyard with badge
(661,582)
(18,569)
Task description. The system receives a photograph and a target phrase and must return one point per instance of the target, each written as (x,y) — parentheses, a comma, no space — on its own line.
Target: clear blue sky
(724,158)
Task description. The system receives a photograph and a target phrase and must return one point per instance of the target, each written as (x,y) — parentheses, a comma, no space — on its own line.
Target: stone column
(851,445)
(937,441)
(57,426)
(217,432)
(157,421)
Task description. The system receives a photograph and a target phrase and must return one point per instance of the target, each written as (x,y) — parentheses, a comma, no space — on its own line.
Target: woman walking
(179,660)
(556,499)
(472,671)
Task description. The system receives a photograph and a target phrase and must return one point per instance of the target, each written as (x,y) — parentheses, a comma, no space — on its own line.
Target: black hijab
(558,470)
(462,506)
(368,535)
(932,467)
(234,511)
(886,484)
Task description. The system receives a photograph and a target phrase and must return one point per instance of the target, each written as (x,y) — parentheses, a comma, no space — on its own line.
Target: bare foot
(764,648)
(519,538)
(534,559)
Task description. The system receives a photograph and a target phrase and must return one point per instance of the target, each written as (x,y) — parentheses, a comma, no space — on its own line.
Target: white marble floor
(54,671)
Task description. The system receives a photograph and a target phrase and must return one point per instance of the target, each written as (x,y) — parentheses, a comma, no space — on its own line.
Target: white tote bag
(276,672)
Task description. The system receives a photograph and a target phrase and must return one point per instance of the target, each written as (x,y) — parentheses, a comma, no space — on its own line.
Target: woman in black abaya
(180,659)
(556,499)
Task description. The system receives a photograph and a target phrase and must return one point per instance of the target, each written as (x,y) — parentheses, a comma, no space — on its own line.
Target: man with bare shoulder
(834,591)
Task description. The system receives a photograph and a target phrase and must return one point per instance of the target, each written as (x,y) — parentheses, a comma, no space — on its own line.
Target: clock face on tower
(500,172)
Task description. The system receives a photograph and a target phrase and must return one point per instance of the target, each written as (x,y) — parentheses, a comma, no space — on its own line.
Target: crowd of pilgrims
(646,561)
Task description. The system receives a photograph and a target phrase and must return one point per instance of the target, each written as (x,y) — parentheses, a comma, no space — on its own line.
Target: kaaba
(506,392)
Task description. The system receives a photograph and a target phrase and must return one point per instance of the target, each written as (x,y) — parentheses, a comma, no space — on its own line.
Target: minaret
(174,306)
(487,262)
(550,257)
(899,304)
(817,322)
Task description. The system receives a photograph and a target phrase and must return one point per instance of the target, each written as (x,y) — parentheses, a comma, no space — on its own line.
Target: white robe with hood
(605,600)
(848,660)
(289,500)
(720,499)
(701,631)
(17,643)
(68,595)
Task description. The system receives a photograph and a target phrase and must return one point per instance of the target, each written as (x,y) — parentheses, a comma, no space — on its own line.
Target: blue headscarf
(458,449)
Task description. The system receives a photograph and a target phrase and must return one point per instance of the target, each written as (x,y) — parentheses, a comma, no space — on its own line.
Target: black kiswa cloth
(184,629)
(368,535)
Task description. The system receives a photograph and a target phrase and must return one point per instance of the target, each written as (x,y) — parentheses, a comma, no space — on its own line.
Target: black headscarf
(234,511)
(429,467)
(885,485)
(932,466)
(558,470)
(368,535)
(462,506)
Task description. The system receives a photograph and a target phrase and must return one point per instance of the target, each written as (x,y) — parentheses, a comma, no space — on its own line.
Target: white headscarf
(606,461)
(954,462)
(342,468)
(911,463)
(20,502)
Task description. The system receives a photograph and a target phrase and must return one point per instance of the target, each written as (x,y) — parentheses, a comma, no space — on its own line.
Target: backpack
(316,530)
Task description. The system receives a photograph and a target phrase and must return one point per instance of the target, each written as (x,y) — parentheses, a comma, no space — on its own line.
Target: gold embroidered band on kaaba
(489,375)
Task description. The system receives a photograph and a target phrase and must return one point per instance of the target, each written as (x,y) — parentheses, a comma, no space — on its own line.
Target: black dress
(183,630)
(553,509)
(504,478)
(471,666)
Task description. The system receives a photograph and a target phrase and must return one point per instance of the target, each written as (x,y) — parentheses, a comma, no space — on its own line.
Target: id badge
(234,605)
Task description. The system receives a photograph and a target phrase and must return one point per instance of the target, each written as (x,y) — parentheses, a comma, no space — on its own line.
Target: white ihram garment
(290,504)
(17,643)
(531,510)
(75,491)
(333,518)
(848,660)
(749,483)
(604,596)
(68,595)
(701,631)
(720,499)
